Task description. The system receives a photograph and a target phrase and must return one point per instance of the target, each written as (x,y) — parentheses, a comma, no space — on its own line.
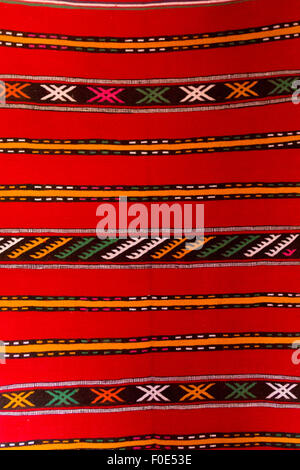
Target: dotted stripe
(145,188)
(108,308)
(87,48)
(152,338)
(153,297)
(180,438)
(146,351)
(170,198)
(156,142)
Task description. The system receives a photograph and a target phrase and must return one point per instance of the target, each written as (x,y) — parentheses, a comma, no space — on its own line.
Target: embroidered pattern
(202,93)
(218,247)
(174,392)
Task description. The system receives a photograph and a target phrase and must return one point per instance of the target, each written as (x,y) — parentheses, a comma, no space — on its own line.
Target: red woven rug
(142,343)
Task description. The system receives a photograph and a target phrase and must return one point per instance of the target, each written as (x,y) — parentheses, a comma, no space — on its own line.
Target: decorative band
(154,441)
(240,37)
(35,348)
(203,93)
(78,249)
(135,397)
(153,147)
(190,192)
(148,302)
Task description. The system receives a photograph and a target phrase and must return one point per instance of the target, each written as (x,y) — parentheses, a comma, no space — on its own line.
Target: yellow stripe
(149,147)
(142,193)
(28,348)
(155,44)
(148,302)
(181,442)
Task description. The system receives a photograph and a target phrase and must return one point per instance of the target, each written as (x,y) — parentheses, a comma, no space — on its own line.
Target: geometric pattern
(180,392)
(99,95)
(80,249)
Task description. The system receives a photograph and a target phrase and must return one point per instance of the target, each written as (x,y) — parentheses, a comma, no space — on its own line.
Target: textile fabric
(138,343)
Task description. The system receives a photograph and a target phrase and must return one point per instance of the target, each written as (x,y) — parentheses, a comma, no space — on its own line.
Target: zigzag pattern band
(224,248)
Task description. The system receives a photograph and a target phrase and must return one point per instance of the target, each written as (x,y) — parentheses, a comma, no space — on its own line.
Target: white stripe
(150,379)
(149,265)
(151,80)
(92,231)
(131,5)
(129,110)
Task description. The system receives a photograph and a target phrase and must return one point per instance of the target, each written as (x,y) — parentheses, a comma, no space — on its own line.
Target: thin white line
(151,80)
(151,379)
(149,266)
(130,5)
(145,110)
(92,231)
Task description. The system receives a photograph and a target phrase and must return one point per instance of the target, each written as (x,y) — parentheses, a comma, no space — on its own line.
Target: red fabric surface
(42,276)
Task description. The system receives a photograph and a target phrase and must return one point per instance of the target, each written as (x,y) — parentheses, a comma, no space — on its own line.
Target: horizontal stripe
(150,81)
(150,302)
(159,44)
(92,231)
(153,407)
(165,146)
(141,193)
(129,249)
(146,395)
(37,266)
(125,6)
(152,379)
(215,94)
(165,442)
(148,110)
(101,346)
(56,192)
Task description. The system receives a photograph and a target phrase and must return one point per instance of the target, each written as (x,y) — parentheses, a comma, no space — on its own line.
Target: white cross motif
(153,393)
(197,93)
(282,391)
(58,92)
